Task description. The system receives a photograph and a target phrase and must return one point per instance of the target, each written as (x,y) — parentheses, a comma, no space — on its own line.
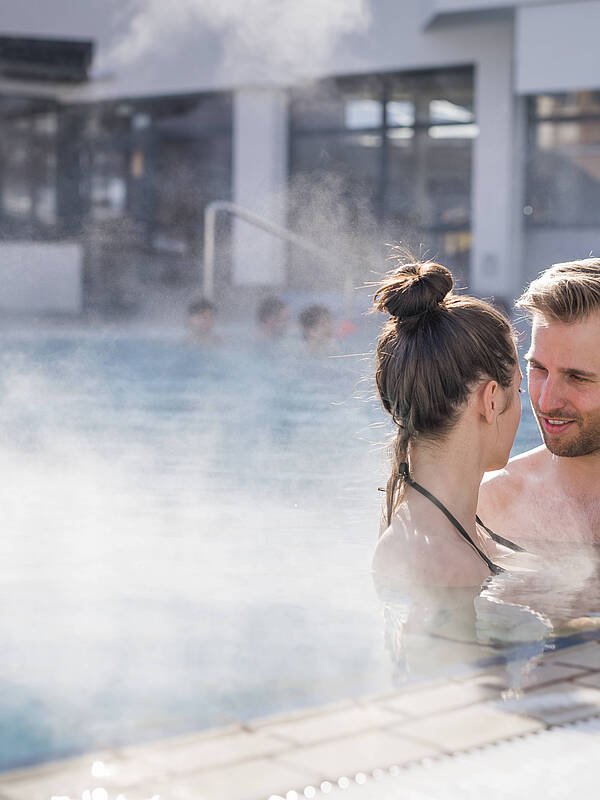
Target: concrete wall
(556,47)
(41,277)
(260,146)
(545,246)
(194,45)
(493,267)
(435,10)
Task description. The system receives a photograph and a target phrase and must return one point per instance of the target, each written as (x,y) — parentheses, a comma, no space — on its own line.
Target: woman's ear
(489,400)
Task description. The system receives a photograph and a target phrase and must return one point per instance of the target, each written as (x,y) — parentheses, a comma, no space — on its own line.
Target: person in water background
(447,373)
(272,317)
(201,318)
(552,493)
(316,324)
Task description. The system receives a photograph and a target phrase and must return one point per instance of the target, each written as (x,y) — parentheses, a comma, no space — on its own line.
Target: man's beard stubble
(584,443)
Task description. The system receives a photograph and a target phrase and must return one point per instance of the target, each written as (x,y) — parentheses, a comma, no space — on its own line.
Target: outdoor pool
(187,536)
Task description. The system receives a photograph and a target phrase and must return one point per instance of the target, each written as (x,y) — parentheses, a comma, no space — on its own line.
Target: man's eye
(579,378)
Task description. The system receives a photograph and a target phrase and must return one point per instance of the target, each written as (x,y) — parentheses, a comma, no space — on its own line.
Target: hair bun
(413,289)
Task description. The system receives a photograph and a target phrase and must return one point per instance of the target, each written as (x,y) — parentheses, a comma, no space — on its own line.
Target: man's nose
(551,397)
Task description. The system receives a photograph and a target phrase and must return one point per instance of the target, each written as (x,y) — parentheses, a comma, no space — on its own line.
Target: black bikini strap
(500,539)
(403,470)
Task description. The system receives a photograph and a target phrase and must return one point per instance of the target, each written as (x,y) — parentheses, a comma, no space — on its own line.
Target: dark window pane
(108,183)
(190,175)
(567,104)
(563,186)
(353,157)
(440,96)
(429,181)
(338,105)
(408,171)
(28,176)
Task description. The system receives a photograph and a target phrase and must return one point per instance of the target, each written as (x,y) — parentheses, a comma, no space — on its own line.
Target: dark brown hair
(311,316)
(269,307)
(565,292)
(199,306)
(431,353)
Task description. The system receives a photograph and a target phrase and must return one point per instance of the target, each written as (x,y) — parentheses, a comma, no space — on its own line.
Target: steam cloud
(272,38)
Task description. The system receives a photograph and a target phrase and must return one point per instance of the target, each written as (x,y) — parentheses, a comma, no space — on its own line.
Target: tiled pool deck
(302,752)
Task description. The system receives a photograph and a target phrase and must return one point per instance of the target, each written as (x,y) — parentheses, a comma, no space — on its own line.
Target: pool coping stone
(285,753)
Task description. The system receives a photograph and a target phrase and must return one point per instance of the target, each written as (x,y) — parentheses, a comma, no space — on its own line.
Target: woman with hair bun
(447,372)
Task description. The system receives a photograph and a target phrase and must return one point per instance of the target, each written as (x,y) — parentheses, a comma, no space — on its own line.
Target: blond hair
(565,292)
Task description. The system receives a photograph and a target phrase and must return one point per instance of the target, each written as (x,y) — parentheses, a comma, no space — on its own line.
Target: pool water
(187,535)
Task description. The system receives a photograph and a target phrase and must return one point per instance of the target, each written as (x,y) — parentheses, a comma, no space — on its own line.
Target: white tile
(335,724)
(448,696)
(252,780)
(205,754)
(468,727)
(366,751)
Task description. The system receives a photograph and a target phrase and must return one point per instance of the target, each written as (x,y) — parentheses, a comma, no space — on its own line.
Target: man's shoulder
(518,475)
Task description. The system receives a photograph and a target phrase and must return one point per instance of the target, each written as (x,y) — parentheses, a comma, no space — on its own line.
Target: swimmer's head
(272,316)
(432,353)
(566,292)
(317,324)
(201,314)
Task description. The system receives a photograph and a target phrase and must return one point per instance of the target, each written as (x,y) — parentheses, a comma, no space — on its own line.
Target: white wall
(41,277)
(260,126)
(496,190)
(195,45)
(556,47)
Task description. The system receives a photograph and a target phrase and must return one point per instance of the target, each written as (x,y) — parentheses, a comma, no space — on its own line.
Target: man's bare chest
(550,516)
(557,516)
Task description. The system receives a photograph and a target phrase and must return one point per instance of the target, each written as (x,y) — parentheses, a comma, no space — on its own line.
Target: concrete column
(260,147)
(495,266)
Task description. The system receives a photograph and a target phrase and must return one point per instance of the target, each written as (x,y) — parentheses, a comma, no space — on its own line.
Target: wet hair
(268,308)
(311,316)
(199,306)
(431,353)
(565,292)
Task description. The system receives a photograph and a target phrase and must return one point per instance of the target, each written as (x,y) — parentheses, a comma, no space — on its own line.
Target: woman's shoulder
(500,490)
(436,557)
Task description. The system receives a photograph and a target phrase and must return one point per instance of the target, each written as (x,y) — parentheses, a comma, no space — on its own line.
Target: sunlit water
(186,540)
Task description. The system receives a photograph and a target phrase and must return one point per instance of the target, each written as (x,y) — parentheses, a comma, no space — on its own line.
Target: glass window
(407,161)
(400,112)
(429,181)
(567,104)
(350,103)
(346,154)
(563,175)
(191,174)
(28,176)
(108,184)
(363,113)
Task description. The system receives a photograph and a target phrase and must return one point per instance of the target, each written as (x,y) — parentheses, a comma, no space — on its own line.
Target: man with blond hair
(552,493)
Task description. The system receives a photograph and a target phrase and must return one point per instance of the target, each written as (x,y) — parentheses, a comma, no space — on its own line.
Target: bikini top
(494,568)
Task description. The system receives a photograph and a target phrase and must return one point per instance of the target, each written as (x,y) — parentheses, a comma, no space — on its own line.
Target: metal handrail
(210,217)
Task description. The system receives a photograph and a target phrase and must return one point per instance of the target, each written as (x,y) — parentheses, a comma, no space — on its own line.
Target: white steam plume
(261,39)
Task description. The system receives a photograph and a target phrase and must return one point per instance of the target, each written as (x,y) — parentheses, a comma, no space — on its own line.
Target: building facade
(463,130)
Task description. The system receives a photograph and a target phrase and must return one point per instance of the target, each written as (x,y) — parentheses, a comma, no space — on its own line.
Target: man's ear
(489,399)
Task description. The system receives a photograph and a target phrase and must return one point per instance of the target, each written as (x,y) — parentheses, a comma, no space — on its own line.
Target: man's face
(277,323)
(564,384)
(322,331)
(201,323)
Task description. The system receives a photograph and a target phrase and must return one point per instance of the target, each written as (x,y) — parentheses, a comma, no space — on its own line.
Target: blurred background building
(468,130)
